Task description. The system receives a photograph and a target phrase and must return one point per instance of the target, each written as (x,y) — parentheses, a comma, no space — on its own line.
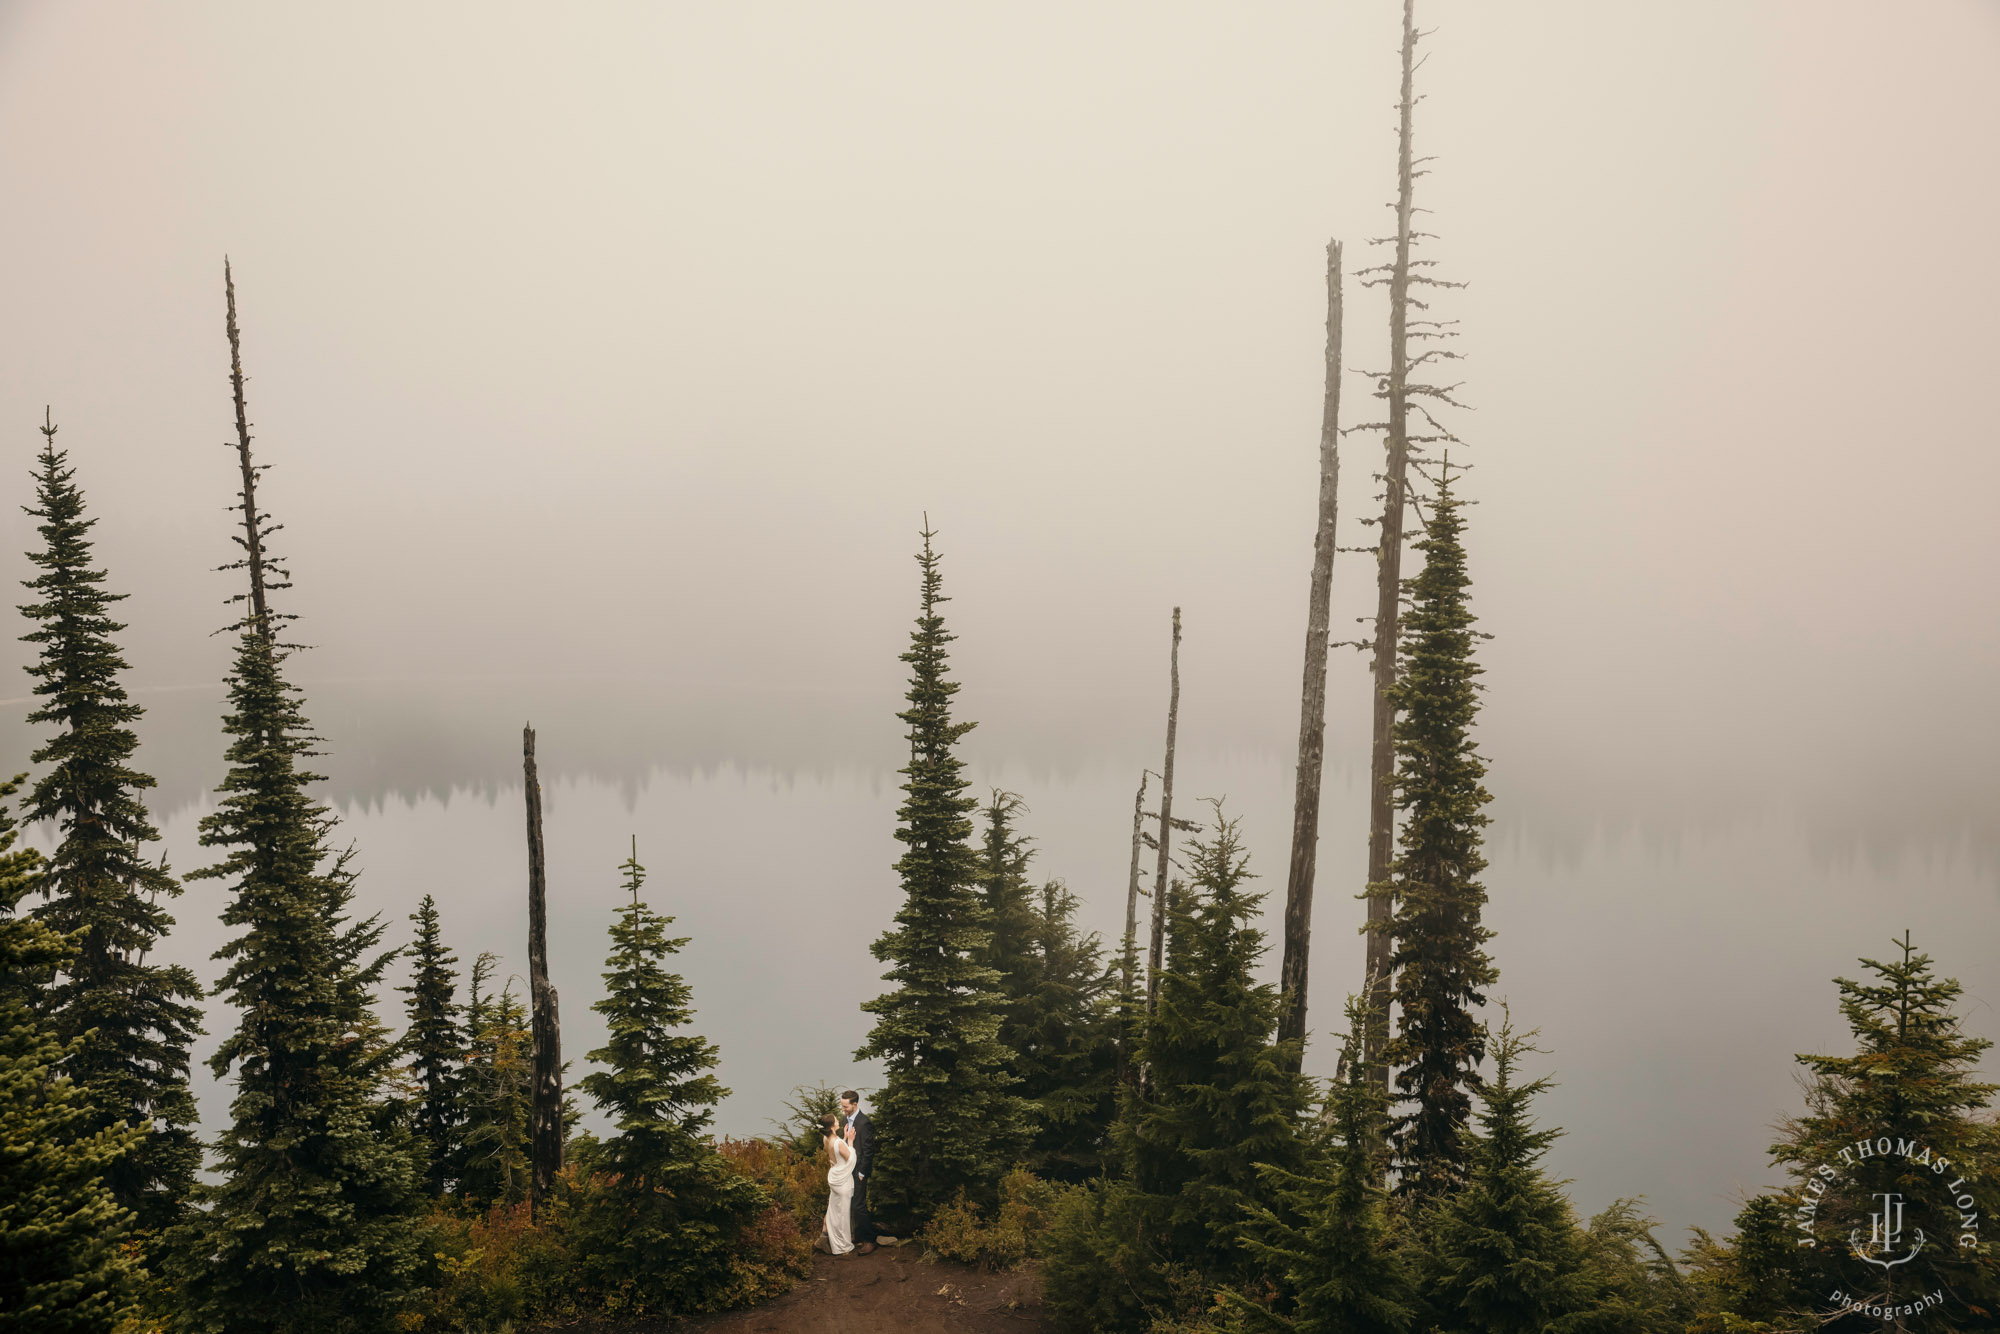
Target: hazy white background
(607,358)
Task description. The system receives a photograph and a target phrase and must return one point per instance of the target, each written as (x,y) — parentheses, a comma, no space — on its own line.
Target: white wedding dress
(840,1199)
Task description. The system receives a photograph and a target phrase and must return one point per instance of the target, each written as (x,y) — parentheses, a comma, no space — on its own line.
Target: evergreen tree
(1203,1140)
(1325,1243)
(1506,1256)
(1222,1102)
(946,1120)
(663,1227)
(1058,1019)
(313,1226)
(126,1024)
(62,1262)
(1744,1283)
(498,1073)
(1912,1080)
(1065,1042)
(1634,1286)
(1438,955)
(1010,907)
(437,1048)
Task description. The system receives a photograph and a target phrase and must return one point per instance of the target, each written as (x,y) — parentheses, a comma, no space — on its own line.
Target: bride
(840,1183)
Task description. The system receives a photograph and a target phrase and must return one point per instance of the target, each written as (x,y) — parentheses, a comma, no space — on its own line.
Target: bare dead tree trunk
(1129,958)
(252,540)
(545,1128)
(1312,695)
(1160,880)
(1389,583)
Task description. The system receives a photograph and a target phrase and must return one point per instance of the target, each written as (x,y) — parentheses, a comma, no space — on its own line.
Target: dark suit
(864,1172)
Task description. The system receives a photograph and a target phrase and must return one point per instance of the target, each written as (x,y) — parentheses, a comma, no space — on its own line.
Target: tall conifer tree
(1004,855)
(1064,1036)
(1439,961)
(62,1263)
(1325,1243)
(1506,1255)
(662,1231)
(129,1023)
(946,1119)
(436,1043)
(1223,1101)
(313,1225)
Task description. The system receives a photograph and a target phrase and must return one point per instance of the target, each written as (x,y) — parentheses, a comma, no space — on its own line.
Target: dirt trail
(889,1292)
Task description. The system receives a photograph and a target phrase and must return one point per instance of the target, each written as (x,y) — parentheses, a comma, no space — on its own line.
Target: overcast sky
(608,358)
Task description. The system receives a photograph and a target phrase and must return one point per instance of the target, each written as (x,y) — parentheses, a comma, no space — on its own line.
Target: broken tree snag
(1129,956)
(1160,881)
(545,1128)
(1389,584)
(1312,695)
(252,540)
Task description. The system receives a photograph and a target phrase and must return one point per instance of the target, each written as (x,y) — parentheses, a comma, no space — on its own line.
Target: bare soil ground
(889,1292)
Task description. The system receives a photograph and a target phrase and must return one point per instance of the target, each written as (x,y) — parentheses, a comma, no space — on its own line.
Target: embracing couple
(850,1157)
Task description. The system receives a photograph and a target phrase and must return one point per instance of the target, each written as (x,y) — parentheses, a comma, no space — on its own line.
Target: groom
(861,1133)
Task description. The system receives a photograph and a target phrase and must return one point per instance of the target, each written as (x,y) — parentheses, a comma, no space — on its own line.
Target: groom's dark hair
(851,1096)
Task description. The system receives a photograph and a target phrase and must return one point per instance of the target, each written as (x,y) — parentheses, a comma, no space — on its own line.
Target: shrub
(1100,1271)
(777,1246)
(1028,1206)
(794,1178)
(496,1270)
(500,1270)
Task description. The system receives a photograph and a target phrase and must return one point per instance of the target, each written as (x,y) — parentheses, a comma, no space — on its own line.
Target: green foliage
(1058,1006)
(1327,1259)
(126,1025)
(500,1269)
(1752,1278)
(498,1071)
(1004,855)
(497,1270)
(1102,1270)
(1913,1077)
(801,1128)
(437,1049)
(666,1213)
(1220,1102)
(946,1119)
(1635,1288)
(1220,1109)
(1013,1233)
(1505,1255)
(62,1264)
(1065,1041)
(315,1224)
(1437,956)
(794,1178)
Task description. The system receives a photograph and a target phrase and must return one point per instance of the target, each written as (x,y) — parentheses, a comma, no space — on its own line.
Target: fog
(608,361)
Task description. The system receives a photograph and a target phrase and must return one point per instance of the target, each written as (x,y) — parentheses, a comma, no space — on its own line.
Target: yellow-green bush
(961,1230)
(500,1270)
